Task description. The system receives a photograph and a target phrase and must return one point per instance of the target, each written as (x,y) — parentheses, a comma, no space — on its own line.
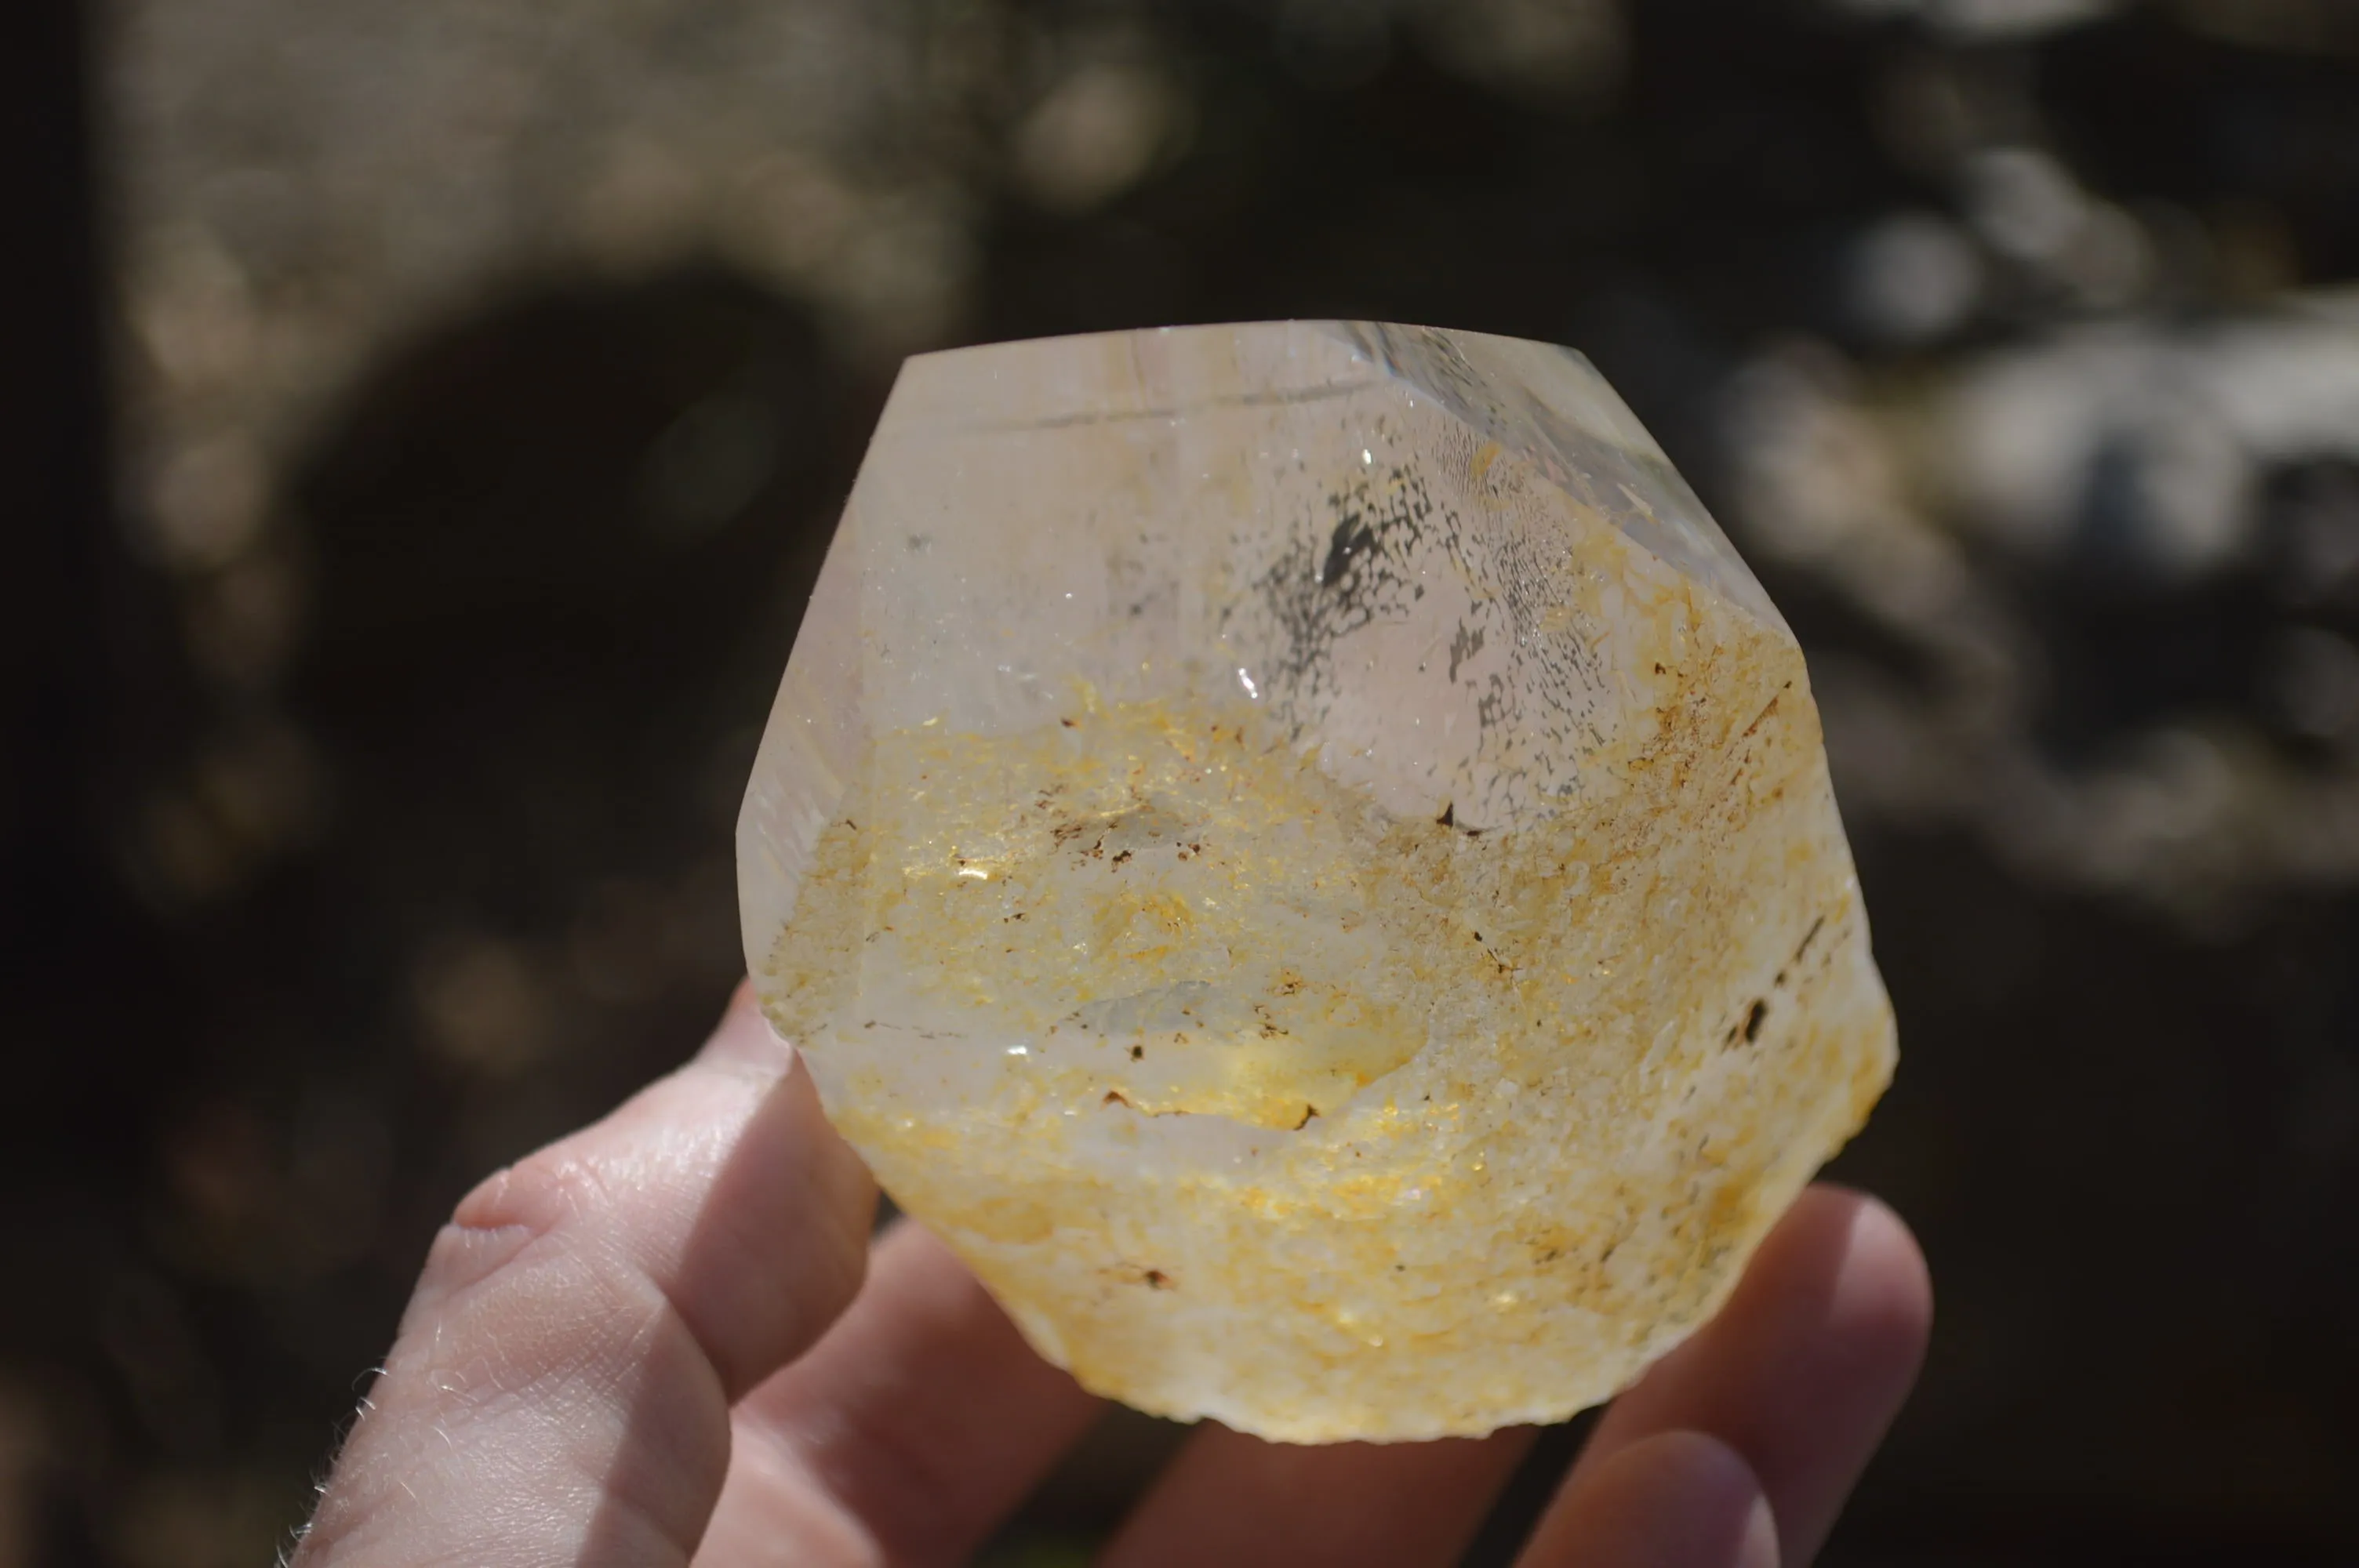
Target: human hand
(650,1343)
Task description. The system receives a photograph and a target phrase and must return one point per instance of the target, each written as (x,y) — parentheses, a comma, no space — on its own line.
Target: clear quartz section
(1303,854)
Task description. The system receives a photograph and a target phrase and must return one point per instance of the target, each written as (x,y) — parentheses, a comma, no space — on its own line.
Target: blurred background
(432,416)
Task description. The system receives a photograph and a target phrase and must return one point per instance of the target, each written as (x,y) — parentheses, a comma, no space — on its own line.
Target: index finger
(560,1388)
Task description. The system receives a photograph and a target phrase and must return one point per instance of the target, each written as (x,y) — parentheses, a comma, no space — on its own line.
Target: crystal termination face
(1302,854)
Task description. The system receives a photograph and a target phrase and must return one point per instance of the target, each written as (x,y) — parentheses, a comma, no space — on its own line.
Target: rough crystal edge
(1595,442)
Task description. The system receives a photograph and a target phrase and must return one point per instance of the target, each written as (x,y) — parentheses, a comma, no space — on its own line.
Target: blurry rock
(1555,54)
(1913,278)
(483,1004)
(1098,132)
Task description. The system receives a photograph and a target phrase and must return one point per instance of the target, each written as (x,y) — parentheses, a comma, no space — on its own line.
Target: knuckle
(537,1193)
(507,1215)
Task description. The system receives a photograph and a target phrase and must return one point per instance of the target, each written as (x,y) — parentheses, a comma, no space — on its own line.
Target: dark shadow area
(556,553)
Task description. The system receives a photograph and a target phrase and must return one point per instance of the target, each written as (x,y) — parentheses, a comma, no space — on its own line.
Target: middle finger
(1238,1501)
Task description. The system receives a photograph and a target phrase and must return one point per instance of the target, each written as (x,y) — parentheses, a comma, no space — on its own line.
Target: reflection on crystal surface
(1276,840)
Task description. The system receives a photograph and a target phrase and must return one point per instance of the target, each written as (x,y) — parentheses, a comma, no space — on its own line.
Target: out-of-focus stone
(1301,852)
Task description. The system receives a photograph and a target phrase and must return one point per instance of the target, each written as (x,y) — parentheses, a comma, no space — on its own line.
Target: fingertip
(1855,1250)
(1895,1276)
(1681,1498)
(785,1224)
(1806,1365)
(743,1038)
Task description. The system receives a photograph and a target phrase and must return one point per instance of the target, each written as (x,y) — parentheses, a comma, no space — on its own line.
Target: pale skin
(668,1339)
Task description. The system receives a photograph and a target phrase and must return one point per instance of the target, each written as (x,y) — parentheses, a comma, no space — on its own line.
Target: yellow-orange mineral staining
(1373,969)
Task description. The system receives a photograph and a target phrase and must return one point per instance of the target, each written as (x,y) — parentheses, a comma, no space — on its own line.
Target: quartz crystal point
(1303,855)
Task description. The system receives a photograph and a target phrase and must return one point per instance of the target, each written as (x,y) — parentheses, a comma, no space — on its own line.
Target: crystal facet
(1300,851)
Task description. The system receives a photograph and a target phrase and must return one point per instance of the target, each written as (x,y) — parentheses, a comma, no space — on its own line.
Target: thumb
(560,1388)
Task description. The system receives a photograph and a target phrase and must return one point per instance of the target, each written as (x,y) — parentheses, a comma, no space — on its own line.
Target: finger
(1238,1501)
(906,1436)
(1804,1369)
(1676,1499)
(560,1390)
